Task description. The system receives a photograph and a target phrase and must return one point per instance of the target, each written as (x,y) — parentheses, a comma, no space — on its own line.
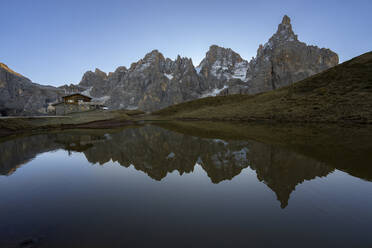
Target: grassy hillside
(340,94)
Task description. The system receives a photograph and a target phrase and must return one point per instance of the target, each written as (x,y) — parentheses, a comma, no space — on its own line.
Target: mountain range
(155,82)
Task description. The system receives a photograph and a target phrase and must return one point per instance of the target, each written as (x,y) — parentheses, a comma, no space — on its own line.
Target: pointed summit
(154,57)
(285,25)
(226,56)
(285,32)
(100,73)
(286,20)
(154,54)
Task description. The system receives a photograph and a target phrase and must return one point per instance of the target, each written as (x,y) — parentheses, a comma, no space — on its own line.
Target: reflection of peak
(282,170)
(158,152)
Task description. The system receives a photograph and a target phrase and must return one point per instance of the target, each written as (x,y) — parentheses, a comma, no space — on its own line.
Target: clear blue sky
(55,42)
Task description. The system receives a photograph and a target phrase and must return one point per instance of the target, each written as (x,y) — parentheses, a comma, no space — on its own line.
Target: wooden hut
(75,103)
(76,98)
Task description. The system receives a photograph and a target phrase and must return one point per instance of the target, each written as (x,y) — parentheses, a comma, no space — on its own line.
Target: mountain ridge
(155,82)
(282,60)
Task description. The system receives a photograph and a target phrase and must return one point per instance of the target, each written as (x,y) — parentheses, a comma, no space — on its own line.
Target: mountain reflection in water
(157,152)
(187,185)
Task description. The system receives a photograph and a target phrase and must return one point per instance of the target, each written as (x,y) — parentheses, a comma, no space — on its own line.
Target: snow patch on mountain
(143,66)
(240,71)
(87,91)
(102,99)
(169,76)
(241,155)
(214,92)
(132,107)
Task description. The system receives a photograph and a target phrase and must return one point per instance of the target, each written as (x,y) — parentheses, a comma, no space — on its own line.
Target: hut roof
(77,94)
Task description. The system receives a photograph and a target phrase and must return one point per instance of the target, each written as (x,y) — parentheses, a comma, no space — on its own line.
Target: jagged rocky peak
(96,74)
(70,89)
(286,21)
(100,73)
(284,60)
(183,60)
(153,56)
(284,34)
(92,78)
(121,69)
(182,64)
(156,62)
(226,55)
(95,84)
(153,59)
(117,74)
(223,63)
(285,31)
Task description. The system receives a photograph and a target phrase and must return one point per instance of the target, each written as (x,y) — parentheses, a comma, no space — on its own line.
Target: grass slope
(340,94)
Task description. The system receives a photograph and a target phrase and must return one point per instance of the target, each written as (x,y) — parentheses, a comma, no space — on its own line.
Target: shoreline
(18,127)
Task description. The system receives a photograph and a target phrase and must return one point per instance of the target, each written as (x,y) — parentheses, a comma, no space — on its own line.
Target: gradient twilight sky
(55,42)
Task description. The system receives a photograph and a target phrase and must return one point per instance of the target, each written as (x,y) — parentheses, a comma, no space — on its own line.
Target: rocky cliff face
(220,66)
(155,82)
(19,96)
(151,83)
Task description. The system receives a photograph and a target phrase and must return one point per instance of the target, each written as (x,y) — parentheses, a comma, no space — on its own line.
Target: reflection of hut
(75,103)
(79,143)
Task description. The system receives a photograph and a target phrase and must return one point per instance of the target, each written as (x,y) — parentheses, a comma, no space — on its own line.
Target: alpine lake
(190,184)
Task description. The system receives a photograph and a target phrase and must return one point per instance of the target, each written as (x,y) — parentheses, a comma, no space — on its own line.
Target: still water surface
(151,187)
